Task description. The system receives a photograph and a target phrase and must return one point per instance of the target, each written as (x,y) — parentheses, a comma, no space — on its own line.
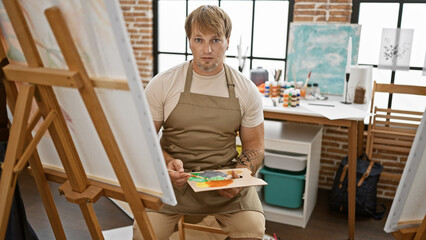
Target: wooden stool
(182,226)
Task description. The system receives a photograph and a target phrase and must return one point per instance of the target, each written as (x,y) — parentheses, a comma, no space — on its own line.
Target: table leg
(360,140)
(352,156)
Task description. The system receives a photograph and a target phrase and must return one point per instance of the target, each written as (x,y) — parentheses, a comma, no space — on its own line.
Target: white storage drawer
(290,137)
(285,160)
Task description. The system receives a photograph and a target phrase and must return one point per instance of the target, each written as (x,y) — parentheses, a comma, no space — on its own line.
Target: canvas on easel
(409,206)
(92,30)
(107,132)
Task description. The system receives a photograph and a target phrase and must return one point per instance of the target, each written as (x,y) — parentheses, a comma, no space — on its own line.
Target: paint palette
(222,179)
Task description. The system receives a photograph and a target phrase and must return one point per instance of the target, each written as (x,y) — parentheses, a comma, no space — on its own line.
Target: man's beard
(207,67)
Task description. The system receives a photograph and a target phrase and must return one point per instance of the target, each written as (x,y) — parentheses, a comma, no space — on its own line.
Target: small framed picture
(395,49)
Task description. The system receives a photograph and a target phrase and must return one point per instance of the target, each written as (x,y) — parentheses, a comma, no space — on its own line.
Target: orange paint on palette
(219,183)
(236,171)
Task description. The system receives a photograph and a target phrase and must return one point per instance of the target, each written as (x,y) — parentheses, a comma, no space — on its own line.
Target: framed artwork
(395,49)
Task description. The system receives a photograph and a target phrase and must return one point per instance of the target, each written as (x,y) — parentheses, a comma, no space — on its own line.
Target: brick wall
(322,10)
(138,16)
(393,162)
(333,150)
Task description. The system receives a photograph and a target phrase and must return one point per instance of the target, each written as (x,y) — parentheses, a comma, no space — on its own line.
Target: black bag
(367,176)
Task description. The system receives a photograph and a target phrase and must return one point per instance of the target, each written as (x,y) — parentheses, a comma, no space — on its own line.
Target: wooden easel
(412,233)
(38,82)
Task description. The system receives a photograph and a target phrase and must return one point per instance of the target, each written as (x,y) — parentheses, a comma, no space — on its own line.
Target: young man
(202,104)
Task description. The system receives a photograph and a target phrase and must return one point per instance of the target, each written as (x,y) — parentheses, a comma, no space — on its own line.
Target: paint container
(298,97)
(267,89)
(285,98)
(294,98)
(287,85)
(302,92)
(290,95)
(274,89)
(282,88)
(316,90)
(278,89)
(309,93)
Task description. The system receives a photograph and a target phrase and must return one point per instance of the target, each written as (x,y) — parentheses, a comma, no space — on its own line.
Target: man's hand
(231,192)
(176,172)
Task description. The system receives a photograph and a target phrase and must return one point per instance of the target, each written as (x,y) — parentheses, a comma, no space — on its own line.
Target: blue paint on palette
(322,50)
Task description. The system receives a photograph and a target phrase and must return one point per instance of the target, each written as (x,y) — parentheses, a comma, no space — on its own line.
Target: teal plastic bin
(285,188)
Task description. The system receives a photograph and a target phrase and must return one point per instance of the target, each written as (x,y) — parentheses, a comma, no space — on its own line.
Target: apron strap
(229,81)
(188,80)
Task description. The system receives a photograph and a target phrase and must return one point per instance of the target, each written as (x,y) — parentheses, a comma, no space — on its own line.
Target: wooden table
(355,127)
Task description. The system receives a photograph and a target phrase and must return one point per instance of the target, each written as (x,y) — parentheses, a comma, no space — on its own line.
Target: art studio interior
(316,128)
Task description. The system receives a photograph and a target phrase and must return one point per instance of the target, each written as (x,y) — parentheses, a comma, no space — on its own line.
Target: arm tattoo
(250,159)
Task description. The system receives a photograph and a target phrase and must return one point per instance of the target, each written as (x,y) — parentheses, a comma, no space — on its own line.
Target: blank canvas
(98,30)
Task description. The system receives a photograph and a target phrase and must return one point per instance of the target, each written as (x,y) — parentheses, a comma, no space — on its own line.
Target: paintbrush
(307,79)
(192,175)
(278,75)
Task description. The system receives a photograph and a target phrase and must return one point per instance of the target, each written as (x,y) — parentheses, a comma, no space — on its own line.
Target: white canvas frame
(98,29)
(409,203)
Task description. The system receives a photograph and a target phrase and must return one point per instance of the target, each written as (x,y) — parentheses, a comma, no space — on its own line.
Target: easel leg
(38,172)
(421,231)
(91,220)
(46,197)
(16,141)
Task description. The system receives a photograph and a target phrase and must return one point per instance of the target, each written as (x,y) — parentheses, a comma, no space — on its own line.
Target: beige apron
(201,131)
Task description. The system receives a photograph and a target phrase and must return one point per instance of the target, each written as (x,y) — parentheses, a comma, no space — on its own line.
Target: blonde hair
(209,18)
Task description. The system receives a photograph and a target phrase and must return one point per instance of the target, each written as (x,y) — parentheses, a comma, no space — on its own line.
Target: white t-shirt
(163,92)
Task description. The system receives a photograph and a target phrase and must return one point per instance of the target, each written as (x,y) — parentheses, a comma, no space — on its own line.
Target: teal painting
(321,49)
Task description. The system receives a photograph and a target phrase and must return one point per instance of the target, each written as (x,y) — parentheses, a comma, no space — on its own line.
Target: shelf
(283,215)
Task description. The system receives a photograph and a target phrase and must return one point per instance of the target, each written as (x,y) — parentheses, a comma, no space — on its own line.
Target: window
(266,46)
(379,14)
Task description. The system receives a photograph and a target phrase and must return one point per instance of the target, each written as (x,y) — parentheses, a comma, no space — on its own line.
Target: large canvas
(98,29)
(322,50)
(409,205)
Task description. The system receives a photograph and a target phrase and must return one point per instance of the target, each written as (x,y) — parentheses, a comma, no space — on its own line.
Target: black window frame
(355,18)
(250,56)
